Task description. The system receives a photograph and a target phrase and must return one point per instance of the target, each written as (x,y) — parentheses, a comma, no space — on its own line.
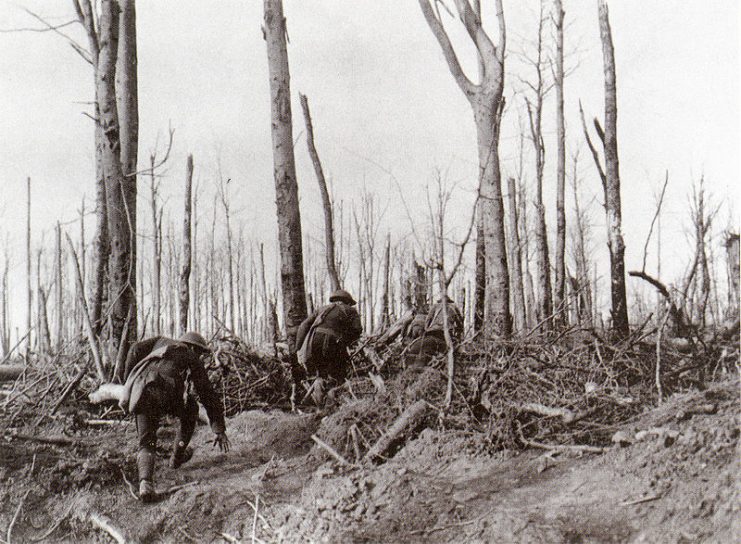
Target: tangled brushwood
(576,390)
(573,390)
(246,379)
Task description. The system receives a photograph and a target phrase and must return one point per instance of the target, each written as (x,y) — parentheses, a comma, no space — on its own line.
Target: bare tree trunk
(120,227)
(486,103)
(127,103)
(560,277)
(515,259)
(535,116)
(334,278)
(612,182)
(29,300)
(480,283)
(732,259)
(225,199)
(156,251)
(43,337)
(187,251)
(101,243)
(196,268)
(286,188)
(59,289)
(384,317)
(583,283)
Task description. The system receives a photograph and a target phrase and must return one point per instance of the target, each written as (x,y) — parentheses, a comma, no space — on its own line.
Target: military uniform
(432,342)
(155,377)
(323,337)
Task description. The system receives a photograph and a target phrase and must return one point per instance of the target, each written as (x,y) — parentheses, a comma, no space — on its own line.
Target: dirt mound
(674,483)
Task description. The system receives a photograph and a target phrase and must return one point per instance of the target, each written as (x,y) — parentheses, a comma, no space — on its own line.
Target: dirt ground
(673,478)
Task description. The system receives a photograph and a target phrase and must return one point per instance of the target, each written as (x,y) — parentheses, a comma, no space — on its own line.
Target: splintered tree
(610,176)
(184,298)
(560,264)
(486,102)
(116,142)
(334,278)
(284,171)
(127,104)
(538,89)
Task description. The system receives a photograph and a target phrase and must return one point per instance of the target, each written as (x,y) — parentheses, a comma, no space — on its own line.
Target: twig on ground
(53,528)
(129,485)
(254,519)
(229,538)
(106,525)
(15,517)
(642,500)
(330,450)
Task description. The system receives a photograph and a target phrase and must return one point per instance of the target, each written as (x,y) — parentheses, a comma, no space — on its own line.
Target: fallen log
(55,440)
(8,373)
(548,411)
(408,419)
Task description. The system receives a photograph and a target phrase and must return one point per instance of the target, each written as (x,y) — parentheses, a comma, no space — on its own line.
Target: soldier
(432,342)
(155,377)
(409,326)
(323,337)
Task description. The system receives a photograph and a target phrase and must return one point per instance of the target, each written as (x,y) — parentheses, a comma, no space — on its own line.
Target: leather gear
(147,493)
(343,296)
(180,454)
(145,459)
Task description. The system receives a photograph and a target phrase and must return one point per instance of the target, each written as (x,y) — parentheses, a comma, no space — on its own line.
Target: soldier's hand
(222,442)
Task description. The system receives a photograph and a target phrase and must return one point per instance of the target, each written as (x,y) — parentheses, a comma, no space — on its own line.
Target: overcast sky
(382,101)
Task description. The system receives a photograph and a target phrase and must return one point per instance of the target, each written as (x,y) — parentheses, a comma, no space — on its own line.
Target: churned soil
(672,476)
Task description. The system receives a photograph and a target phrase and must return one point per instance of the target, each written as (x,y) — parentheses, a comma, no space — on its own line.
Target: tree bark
(156,251)
(29,300)
(732,260)
(284,169)
(479,297)
(612,182)
(127,103)
(560,276)
(59,289)
(119,220)
(535,115)
(384,315)
(334,278)
(515,259)
(187,250)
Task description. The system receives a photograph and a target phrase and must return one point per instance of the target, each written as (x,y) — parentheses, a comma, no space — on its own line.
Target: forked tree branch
(443,39)
(595,154)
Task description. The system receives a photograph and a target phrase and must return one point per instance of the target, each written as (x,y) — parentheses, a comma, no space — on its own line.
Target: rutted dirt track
(676,482)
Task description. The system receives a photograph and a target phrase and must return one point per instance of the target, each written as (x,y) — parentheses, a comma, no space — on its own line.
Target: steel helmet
(343,296)
(195,339)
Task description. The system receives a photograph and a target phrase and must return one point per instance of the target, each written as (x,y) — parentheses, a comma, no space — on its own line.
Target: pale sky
(382,101)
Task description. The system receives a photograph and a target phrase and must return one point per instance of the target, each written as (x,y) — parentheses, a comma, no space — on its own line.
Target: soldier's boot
(181,453)
(145,462)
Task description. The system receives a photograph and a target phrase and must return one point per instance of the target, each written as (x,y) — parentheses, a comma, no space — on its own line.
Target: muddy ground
(673,477)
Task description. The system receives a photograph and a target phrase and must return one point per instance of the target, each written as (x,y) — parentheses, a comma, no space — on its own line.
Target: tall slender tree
(284,170)
(329,252)
(560,257)
(486,99)
(612,188)
(535,102)
(184,299)
(127,104)
(610,176)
